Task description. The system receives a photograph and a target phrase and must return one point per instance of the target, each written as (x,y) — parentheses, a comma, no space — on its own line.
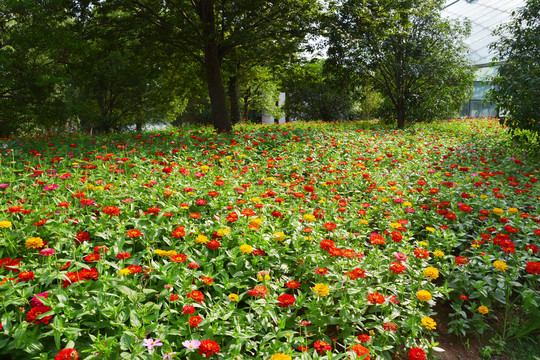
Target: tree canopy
(517,85)
(405,50)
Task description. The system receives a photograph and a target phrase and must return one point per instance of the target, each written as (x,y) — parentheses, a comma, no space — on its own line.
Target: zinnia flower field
(293,241)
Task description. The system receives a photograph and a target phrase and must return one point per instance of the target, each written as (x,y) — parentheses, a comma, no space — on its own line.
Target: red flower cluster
(196,295)
(417,354)
(84,274)
(286,300)
(35,312)
(67,354)
(533,267)
(258,291)
(360,351)
(208,347)
(375,298)
(322,346)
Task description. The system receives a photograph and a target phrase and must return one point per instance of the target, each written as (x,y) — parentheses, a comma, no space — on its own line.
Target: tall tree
(30,79)
(517,86)
(406,51)
(212,31)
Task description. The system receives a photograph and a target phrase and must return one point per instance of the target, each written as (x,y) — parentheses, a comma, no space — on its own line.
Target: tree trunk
(246,108)
(138,126)
(401,114)
(233,97)
(212,64)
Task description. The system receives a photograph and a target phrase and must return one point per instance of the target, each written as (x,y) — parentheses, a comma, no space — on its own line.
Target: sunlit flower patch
(297,241)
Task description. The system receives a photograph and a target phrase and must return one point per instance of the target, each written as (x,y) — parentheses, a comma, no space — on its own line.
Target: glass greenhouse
(484,16)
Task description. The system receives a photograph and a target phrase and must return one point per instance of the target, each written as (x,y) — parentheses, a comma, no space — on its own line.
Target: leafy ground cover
(297,241)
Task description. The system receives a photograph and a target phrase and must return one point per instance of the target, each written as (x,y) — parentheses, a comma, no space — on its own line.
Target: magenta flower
(47,252)
(35,302)
(50,187)
(4,186)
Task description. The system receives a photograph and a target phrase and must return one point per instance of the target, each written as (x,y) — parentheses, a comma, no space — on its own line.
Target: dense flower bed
(298,241)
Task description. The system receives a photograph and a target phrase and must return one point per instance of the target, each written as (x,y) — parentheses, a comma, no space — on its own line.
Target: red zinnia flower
(188,309)
(321,271)
(375,298)
(208,347)
(123,255)
(195,320)
(322,346)
(533,267)
(417,354)
(196,295)
(258,291)
(461,260)
(82,236)
(111,210)
(363,338)
(360,351)
(35,312)
(135,233)
(286,300)
(174,297)
(193,265)
(293,284)
(421,253)
(330,226)
(213,244)
(356,273)
(376,239)
(397,268)
(67,354)
(25,276)
(178,258)
(179,232)
(389,326)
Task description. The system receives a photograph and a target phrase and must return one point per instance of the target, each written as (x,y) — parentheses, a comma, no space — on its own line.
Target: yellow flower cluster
(438,253)
(201,239)
(309,217)
(431,272)
(280,356)
(246,249)
(5,224)
(233,297)
(498,211)
(429,323)
(483,310)
(124,271)
(500,265)
(513,210)
(223,232)
(255,222)
(430,229)
(164,253)
(34,243)
(321,289)
(423,295)
(279,236)
(363,222)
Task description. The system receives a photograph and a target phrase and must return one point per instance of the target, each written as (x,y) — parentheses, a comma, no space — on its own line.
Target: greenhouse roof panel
(485,16)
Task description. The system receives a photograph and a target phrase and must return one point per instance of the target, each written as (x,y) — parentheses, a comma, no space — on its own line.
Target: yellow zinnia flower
(500,265)
(201,239)
(483,310)
(223,232)
(5,224)
(423,295)
(498,211)
(279,236)
(280,356)
(438,253)
(309,217)
(246,249)
(513,211)
(124,271)
(321,289)
(233,297)
(429,323)
(34,243)
(431,273)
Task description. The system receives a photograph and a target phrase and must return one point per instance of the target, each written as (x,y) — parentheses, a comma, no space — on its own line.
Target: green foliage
(30,80)
(314,93)
(406,51)
(517,87)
